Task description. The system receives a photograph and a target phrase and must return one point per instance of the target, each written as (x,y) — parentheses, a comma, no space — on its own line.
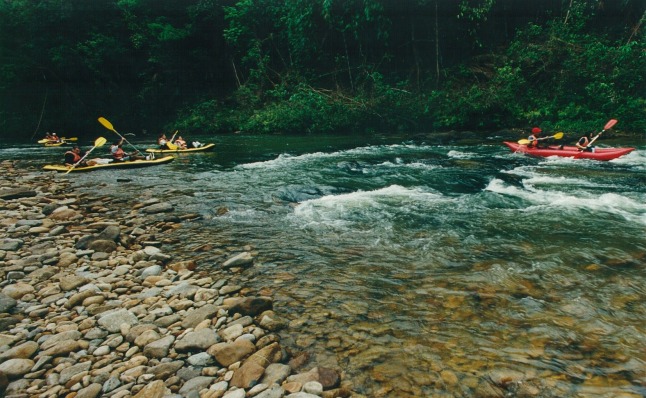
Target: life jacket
(180,143)
(533,141)
(117,153)
(583,141)
(76,157)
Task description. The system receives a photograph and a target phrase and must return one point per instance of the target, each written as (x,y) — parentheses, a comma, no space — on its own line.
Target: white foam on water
(630,209)
(280,161)
(564,181)
(557,160)
(461,155)
(533,175)
(413,165)
(383,150)
(636,159)
(363,206)
(522,171)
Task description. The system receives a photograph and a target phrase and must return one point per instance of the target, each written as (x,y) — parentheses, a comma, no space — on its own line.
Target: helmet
(536,130)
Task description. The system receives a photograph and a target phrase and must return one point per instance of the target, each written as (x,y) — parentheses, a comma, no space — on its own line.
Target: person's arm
(532,141)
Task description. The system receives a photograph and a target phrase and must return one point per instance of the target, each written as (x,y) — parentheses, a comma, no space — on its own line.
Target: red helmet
(536,130)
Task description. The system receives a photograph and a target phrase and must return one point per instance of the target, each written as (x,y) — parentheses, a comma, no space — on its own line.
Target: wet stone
(92,311)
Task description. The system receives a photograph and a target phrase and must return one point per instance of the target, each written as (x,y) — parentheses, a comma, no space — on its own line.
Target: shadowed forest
(320,66)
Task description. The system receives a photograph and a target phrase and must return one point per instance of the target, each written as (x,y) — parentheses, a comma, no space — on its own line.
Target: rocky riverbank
(92,305)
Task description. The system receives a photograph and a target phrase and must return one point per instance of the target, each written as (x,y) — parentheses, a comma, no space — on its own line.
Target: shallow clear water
(423,268)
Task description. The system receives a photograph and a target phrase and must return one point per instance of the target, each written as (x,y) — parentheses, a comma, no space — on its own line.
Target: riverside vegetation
(303,66)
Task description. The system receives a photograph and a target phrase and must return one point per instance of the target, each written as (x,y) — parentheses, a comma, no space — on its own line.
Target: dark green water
(424,268)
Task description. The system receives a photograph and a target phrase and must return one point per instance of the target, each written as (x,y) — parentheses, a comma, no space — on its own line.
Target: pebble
(92,306)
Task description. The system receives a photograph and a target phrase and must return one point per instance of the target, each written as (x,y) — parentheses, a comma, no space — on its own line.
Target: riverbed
(422,267)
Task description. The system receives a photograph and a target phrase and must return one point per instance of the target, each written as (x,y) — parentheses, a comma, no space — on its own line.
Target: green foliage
(578,79)
(476,12)
(304,111)
(167,32)
(311,66)
(479,105)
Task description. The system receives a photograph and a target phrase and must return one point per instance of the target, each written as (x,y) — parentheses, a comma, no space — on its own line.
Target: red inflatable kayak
(569,151)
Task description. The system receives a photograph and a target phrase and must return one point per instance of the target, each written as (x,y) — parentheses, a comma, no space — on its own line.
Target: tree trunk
(437,48)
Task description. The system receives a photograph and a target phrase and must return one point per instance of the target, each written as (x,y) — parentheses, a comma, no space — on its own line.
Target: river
(423,267)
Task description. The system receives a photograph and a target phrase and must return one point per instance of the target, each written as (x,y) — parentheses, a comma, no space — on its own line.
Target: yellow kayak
(62,141)
(203,148)
(112,165)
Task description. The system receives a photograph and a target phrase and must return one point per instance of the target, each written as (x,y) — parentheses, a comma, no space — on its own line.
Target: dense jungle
(320,66)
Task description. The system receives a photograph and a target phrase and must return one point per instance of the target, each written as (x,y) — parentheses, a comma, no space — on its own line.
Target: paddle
(174,134)
(170,143)
(109,126)
(99,142)
(69,139)
(556,136)
(608,126)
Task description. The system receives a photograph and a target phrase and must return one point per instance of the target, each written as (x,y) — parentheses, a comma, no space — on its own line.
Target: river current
(421,267)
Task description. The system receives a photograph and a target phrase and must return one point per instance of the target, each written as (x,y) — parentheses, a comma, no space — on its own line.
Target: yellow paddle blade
(171,146)
(43,141)
(106,123)
(558,135)
(69,139)
(99,142)
(524,142)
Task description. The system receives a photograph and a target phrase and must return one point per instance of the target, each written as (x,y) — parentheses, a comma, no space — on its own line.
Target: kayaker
(54,138)
(73,156)
(162,141)
(181,144)
(584,143)
(119,155)
(534,138)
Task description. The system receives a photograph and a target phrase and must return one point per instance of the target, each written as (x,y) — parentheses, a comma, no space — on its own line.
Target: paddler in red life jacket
(73,156)
(584,143)
(119,155)
(534,138)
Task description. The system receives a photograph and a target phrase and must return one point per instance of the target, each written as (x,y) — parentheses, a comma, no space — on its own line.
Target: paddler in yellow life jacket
(73,156)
